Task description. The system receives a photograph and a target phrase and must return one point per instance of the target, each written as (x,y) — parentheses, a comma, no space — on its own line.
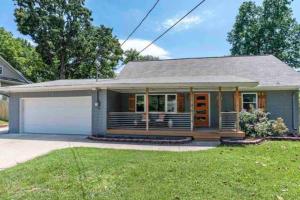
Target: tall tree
(266,29)
(65,38)
(22,56)
(133,55)
(103,52)
(245,36)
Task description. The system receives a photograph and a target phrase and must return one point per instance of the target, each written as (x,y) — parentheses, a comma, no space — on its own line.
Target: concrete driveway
(18,148)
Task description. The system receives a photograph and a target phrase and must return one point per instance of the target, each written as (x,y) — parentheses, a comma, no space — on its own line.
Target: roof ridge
(206,57)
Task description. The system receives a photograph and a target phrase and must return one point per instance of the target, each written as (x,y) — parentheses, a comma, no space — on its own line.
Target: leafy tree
(245,36)
(103,52)
(267,29)
(22,56)
(65,38)
(133,55)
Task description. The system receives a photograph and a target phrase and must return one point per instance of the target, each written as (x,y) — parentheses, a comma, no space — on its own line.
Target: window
(157,103)
(249,101)
(171,103)
(1,70)
(140,103)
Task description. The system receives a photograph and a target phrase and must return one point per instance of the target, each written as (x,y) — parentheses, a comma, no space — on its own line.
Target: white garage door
(56,115)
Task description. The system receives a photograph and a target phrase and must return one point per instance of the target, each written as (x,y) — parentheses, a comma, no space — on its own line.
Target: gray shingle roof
(245,71)
(267,70)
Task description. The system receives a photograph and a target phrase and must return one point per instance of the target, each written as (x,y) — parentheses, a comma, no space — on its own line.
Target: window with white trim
(171,103)
(157,103)
(1,70)
(249,101)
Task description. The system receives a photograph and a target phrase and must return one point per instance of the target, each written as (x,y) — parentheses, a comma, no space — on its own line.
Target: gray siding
(8,72)
(98,113)
(280,104)
(214,114)
(113,101)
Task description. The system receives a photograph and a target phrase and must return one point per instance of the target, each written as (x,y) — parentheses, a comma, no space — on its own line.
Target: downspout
(293,111)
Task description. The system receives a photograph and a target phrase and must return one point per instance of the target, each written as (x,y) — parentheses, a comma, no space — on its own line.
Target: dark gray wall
(113,101)
(281,104)
(98,113)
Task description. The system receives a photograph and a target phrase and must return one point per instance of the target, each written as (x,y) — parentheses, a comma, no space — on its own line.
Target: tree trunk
(62,68)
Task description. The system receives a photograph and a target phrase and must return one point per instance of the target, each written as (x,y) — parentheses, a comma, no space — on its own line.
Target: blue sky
(203,33)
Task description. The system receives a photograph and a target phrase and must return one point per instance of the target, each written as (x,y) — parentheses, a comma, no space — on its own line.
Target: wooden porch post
(147,109)
(192,108)
(220,107)
(237,109)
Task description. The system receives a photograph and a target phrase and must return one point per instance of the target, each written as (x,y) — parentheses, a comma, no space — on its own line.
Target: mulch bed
(2,126)
(143,139)
(248,141)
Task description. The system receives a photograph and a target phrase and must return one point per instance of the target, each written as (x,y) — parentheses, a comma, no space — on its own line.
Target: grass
(267,171)
(3,122)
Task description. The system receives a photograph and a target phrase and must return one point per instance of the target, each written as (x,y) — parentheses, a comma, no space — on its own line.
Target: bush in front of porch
(257,124)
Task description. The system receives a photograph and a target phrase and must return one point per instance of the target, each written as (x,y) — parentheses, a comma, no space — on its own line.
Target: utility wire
(141,22)
(172,26)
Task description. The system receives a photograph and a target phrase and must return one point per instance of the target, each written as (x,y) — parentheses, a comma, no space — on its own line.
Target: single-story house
(198,97)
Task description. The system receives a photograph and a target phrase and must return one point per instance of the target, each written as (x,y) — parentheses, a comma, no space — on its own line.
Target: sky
(203,33)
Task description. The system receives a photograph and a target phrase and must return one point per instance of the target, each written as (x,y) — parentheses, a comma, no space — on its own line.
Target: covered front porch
(202,113)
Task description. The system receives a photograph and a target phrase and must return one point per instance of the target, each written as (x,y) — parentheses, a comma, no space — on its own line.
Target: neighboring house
(9,75)
(199,97)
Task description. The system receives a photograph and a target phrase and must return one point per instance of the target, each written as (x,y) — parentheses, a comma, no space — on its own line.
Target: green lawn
(267,171)
(3,122)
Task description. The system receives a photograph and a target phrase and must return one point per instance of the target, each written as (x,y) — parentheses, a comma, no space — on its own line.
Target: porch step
(207,137)
(143,139)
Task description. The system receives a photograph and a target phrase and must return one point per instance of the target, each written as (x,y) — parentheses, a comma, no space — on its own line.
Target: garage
(56,115)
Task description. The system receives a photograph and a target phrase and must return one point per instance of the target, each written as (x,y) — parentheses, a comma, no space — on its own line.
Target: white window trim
(166,102)
(256,99)
(1,71)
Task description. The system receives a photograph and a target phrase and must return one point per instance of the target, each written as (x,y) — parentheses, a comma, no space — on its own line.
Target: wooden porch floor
(200,134)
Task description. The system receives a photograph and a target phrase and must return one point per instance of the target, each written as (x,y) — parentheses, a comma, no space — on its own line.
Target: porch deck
(198,134)
(171,124)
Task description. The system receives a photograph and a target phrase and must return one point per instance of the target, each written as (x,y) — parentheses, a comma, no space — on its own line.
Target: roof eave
(125,86)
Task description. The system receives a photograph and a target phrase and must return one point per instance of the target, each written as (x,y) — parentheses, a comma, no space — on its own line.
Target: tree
(103,52)
(133,55)
(65,38)
(266,29)
(245,36)
(22,56)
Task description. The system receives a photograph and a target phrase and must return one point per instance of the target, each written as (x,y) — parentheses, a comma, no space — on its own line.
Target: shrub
(278,127)
(257,124)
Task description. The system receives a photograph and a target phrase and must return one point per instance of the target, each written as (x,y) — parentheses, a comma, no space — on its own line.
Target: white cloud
(139,44)
(187,23)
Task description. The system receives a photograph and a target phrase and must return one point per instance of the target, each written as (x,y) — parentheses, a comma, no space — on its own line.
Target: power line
(172,26)
(140,22)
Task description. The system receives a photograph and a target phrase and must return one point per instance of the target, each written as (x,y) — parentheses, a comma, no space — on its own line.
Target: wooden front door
(201,110)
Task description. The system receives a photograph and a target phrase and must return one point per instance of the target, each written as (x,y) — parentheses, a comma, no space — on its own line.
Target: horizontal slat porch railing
(126,120)
(169,121)
(157,121)
(229,120)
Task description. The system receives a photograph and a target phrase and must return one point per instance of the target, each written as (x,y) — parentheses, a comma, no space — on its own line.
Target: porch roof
(156,82)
